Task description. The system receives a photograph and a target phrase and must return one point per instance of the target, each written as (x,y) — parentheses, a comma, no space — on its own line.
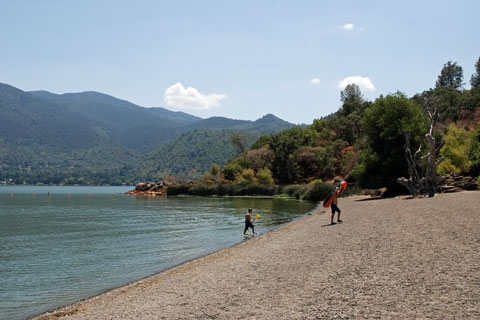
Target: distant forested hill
(95,138)
(192,154)
(127,124)
(267,124)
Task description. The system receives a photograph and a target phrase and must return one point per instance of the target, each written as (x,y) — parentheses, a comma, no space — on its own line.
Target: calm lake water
(80,241)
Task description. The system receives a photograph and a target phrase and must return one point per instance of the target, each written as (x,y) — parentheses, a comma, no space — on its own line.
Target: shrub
(257,190)
(295,191)
(225,189)
(247,177)
(202,190)
(222,190)
(264,177)
(177,189)
(455,151)
(474,152)
(231,170)
(317,191)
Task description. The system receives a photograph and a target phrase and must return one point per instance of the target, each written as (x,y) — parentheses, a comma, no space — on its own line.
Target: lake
(62,244)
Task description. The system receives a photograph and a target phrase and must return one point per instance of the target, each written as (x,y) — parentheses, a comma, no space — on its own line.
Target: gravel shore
(389,259)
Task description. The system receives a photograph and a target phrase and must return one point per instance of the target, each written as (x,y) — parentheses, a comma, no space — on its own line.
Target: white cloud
(363,82)
(351,27)
(348,26)
(315,80)
(176,96)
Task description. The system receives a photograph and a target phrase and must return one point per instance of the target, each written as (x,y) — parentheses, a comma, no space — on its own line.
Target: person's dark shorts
(335,208)
(248,224)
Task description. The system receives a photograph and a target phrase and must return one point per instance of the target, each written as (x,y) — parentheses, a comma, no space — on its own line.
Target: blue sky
(239,59)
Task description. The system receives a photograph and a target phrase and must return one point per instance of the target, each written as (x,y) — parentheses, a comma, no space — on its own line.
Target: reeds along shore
(389,259)
(316,191)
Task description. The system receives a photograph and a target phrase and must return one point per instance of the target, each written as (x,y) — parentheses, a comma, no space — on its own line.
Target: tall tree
(448,102)
(347,122)
(475,80)
(238,141)
(387,121)
(450,76)
(351,93)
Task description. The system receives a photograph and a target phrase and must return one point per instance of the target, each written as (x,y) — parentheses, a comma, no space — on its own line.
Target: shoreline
(299,270)
(57,312)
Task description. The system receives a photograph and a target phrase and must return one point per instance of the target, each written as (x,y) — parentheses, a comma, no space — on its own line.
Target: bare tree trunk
(413,183)
(427,185)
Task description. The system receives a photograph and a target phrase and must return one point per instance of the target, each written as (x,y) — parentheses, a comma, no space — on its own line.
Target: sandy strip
(390,259)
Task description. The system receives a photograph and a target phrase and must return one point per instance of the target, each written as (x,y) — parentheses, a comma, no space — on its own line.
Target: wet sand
(389,259)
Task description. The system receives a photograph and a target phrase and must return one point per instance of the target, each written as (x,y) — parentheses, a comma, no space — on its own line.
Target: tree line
(364,141)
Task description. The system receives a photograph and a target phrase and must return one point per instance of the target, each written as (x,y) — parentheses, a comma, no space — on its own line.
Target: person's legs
(246,228)
(333,214)
(335,208)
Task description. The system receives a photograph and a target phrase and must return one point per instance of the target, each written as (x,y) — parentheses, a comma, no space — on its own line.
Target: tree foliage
(451,76)
(455,151)
(264,177)
(475,80)
(474,152)
(386,123)
(238,141)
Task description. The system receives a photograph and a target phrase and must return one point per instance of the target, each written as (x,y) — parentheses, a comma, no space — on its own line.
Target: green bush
(177,189)
(222,190)
(203,190)
(455,151)
(258,190)
(474,152)
(225,189)
(295,191)
(317,191)
(264,177)
(231,170)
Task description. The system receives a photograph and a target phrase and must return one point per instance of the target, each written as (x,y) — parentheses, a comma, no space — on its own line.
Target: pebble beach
(396,258)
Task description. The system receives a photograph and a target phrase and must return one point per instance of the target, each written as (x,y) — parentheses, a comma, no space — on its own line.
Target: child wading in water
(334,204)
(248,222)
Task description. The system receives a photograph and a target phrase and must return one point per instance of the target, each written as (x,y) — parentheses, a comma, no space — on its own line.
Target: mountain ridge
(97,135)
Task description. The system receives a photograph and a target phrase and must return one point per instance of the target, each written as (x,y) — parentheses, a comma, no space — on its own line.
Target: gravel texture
(390,259)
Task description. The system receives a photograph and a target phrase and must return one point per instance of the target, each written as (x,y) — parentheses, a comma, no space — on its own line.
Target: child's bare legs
(335,209)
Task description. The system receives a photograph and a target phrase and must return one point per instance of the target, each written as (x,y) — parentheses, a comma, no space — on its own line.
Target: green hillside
(267,124)
(191,154)
(124,122)
(29,121)
(95,138)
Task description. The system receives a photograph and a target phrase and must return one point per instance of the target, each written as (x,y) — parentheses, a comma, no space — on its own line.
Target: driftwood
(427,185)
